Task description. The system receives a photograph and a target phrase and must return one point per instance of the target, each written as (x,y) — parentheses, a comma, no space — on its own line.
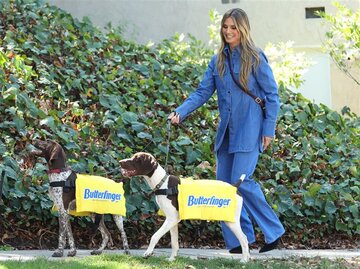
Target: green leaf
(314,188)
(129,117)
(340,226)
(306,172)
(11,93)
(49,121)
(184,140)
(191,155)
(294,168)
(138,126)
(309,200)
(29,104)
(144,135)
(354,209)
(348,197)
(124,135)
(330,207)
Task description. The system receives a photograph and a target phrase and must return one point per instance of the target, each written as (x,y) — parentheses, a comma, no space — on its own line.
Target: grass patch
(110,261)
(5,248)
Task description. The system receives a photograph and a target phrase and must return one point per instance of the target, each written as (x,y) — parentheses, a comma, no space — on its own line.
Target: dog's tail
(241,179)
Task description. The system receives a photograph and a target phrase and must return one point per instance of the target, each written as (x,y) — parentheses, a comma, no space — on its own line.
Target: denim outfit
(239,137)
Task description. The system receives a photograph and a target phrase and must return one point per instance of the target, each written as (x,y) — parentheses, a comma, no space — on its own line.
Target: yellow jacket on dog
(206,200)
(99,195)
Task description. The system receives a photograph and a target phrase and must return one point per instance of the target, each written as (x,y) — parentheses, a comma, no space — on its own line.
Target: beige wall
(271,21)
(345,91)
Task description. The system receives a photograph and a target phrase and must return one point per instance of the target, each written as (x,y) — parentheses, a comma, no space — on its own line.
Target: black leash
(156,190)
(168,129)
(2,179)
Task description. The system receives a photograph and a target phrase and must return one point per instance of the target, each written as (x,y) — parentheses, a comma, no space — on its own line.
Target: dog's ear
(148,163)
(54,153)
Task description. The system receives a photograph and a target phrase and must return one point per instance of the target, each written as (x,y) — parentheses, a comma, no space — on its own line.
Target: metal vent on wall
(310,12)
(230,1)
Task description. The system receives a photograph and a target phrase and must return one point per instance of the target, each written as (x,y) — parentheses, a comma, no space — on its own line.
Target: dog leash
(2,179)
(168,130)
(156,190)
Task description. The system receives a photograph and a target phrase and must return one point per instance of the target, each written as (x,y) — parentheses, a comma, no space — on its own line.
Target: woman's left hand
(266,141)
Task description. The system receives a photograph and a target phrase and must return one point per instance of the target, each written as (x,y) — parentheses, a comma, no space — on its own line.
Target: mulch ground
(40,236)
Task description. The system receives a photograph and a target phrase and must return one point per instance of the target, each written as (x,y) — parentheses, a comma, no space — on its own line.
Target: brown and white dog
(144,164)
(64,199)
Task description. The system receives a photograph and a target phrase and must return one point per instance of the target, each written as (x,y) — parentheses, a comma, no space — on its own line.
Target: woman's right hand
(174,117)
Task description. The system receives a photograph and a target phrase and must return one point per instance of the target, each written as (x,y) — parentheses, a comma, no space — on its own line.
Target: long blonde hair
(249,56)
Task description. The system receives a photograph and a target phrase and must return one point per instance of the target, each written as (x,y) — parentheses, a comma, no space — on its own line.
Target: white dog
(162,184)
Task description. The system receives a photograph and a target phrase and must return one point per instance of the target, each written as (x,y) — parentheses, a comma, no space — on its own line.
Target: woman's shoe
(237,250)
(271,246)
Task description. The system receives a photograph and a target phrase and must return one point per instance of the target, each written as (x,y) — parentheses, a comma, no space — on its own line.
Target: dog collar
(58,170)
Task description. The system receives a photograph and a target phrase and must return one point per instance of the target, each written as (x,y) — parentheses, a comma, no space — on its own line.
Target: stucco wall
(271,21)
(144,20)
(345,91)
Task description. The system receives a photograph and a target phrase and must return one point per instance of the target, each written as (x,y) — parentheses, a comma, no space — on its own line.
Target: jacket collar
(228,51)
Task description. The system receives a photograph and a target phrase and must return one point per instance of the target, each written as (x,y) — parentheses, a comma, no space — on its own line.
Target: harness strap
(57,184)
(171,191)
(160,183)
(68,183)
(157,187)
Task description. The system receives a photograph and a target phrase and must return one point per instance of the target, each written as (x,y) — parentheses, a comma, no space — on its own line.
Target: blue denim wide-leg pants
(229,168)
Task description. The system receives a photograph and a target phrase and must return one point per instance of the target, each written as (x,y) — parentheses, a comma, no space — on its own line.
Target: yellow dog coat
(206,200)
(99,195)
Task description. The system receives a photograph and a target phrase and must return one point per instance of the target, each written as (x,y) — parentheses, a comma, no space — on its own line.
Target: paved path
(353,254)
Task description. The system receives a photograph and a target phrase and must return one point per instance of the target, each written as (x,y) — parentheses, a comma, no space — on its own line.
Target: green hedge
(103,98)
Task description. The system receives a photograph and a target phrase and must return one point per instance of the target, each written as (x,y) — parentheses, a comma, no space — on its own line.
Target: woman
(245,129)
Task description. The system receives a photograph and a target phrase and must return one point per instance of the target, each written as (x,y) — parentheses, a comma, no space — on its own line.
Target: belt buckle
(258,100)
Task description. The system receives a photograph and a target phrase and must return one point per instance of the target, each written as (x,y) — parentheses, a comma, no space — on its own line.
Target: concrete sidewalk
(353,254)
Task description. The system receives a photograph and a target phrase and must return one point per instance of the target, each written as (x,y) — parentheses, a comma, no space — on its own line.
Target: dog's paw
(171,259)
(245,259)
(147,254)
(58,253)
(96,252)
(72,253)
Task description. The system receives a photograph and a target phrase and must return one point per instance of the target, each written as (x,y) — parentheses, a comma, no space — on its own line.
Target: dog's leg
(105,234)
(65,232)
(72,250)
(236,229)
(174,234)
(56,196)
(62,236)
(120,224)
(167,225)
(64,227)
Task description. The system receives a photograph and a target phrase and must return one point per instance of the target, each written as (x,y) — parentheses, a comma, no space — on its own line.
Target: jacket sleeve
(202,93)
(265,78)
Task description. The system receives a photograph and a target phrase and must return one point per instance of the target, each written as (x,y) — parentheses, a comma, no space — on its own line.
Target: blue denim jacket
(238,111)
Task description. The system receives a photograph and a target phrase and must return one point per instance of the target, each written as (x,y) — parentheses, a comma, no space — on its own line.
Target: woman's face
(230,33)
